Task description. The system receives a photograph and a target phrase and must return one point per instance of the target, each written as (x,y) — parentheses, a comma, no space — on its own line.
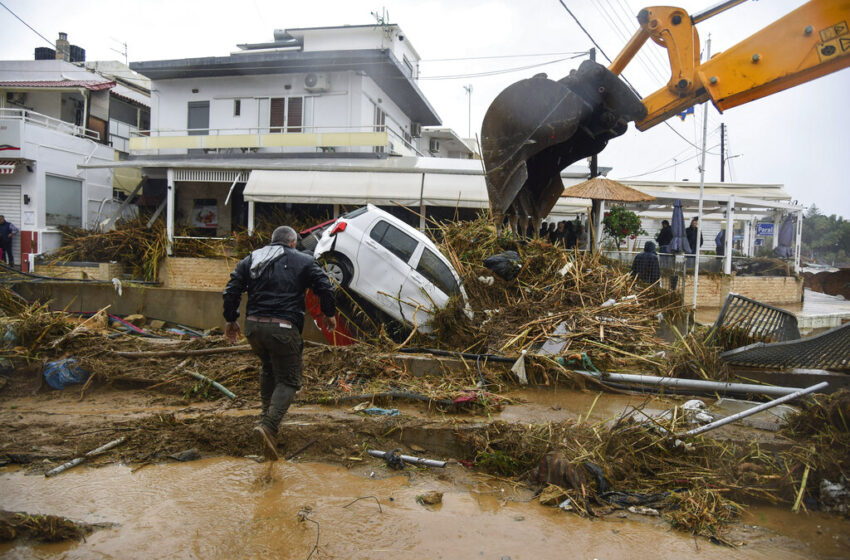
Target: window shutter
(295,116)
(276,114)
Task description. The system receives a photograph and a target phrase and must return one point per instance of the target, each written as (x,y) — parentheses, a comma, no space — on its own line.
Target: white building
(331,94)
(54,116)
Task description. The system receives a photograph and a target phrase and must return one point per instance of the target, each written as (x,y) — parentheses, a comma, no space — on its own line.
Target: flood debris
(430,498)
(395,460)
(74,462)
(16,525)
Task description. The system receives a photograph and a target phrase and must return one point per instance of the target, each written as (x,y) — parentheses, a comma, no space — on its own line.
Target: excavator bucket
(537,127)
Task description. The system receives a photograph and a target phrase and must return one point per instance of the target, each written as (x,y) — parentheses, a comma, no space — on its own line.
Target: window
(435,270)
(380,126)
(63,201)
(394,240)
(199,118)
(286,112)
(237,107)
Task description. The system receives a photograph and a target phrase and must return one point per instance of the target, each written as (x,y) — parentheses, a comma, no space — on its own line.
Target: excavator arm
(537,127)
(807,43)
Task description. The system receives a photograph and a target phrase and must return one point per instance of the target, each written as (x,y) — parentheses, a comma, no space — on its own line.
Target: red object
(339,227)
(341,336)
(308,231)
(29,244)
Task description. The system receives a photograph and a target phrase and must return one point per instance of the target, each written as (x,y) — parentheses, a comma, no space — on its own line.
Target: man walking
(7,231)
(276,278)
(645,266)
(664,237)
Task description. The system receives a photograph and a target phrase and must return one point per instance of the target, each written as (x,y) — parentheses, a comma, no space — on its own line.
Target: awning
(408,188)
(341,187)
(7,167)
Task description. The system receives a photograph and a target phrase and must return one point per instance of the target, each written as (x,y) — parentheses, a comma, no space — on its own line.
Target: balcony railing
(261,138)
(31,117)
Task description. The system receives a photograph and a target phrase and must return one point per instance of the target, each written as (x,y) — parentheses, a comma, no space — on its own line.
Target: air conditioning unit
(317,82)
(16,97)
(416,129)
(434,146)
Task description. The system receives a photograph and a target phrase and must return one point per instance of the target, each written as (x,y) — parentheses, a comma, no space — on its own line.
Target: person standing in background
(7,232)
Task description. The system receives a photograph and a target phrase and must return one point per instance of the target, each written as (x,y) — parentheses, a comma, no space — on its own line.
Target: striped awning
(7,167)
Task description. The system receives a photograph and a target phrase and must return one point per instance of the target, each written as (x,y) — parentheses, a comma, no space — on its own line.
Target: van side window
(435,270)
(394,240)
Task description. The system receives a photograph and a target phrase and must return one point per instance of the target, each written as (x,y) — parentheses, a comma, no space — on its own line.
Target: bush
(620,223)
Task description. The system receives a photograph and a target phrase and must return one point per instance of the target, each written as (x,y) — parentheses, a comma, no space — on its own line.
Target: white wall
(56,153)
(356,38)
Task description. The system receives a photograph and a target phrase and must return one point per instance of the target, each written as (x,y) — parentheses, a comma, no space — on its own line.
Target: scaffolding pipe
(693,384)
(754,410)
(410,459)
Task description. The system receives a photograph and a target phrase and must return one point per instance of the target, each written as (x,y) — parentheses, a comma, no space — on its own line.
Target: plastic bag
(60,373)
(505,265)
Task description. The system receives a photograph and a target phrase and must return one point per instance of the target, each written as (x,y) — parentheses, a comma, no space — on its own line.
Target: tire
(338,269)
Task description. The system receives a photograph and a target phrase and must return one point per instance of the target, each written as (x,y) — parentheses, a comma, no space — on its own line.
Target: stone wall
(80,270)
(766,289)
(184,273)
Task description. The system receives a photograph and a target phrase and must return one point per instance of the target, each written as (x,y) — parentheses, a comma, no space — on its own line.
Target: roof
(379,64)
(91,85)
(601,188)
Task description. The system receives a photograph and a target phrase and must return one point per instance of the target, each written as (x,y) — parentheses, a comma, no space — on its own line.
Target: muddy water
(223,508)
(542,404)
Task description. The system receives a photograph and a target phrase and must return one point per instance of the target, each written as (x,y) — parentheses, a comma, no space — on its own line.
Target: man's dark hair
(649,247)
(665,223)
(285,235)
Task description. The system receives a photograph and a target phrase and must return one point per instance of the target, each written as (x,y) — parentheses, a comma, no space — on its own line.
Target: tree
(621,223)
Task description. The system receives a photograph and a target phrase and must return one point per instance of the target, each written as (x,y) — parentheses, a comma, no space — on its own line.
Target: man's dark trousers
(279,347)
(6,246)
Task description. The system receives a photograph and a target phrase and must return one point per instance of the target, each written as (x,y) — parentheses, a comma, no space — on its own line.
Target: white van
(389,263)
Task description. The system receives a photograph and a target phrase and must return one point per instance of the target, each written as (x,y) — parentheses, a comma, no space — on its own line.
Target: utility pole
(594,162)
(701,188)
(468,89)
(722,152)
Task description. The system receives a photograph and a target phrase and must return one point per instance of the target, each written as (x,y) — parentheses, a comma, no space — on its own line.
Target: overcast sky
(798,137)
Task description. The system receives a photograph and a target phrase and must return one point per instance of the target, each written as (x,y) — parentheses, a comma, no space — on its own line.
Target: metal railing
(396,141)
(31,117)
(708,264)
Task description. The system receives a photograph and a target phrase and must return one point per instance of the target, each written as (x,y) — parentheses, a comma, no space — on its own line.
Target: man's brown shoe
(267,442)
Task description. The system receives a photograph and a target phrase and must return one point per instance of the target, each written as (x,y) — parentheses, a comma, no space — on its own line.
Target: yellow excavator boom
(807,43)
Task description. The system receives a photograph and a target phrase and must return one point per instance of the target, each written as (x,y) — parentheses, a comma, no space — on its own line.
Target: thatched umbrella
(599,189)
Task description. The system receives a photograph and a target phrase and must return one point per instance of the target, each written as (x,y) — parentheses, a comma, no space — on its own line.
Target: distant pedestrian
(581,238)
(276,278)
(664,237)
(7,231)
(570,238)
(544,230)
(645,266)
(553,233)
(720,243)
(691,233)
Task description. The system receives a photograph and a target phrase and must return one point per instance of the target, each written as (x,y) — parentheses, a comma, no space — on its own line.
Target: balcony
(381,139)
(15,119)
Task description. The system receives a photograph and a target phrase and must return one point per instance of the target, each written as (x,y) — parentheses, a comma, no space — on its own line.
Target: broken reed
(40,528)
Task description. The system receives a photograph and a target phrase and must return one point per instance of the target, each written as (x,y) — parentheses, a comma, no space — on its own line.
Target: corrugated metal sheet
(88,84)
(10,209)
(208,175)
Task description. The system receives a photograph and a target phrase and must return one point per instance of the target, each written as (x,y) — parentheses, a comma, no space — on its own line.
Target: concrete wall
(181,273)
(83,271)
(713,289)
(199,309)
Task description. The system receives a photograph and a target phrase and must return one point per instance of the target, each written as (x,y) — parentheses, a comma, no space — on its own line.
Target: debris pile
(40,528)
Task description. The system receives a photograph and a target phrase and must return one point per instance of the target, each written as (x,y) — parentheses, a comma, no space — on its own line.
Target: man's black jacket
(646,267)
(276,278)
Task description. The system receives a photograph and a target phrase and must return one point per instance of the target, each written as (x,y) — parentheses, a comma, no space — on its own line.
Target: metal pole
(410,459)
(169,210)
(730,234)
(594,159)
(701,184)
(754,410)
(722,152)
(692,384)
(468,89)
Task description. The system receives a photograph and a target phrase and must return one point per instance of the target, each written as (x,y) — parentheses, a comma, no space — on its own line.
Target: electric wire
(502,56)
(498,72)
(592,40)
(49,42)
(673,165)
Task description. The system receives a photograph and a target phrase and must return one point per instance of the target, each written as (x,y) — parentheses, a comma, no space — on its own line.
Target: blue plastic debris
(60,373)
(376,411)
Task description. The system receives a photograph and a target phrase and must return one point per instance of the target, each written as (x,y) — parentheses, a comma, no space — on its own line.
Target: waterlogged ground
(237,508)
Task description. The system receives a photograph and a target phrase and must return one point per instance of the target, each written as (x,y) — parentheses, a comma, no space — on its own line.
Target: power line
(49,42)
(501,56)
(496,72)
(669,166)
